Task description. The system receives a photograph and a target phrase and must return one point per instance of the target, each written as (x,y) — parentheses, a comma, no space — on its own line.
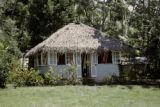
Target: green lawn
(80,96)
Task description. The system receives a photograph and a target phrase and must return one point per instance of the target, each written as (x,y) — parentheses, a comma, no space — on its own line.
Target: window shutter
(78,63)
(93,66)
(115,57)
(53,58)
(74,58)
(35,62)
(48,57)
(39,59)
(95,58)
(69,58)
(78,59)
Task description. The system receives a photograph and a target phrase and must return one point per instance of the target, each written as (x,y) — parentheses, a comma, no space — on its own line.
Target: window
(45,59)
(39,59)
(35,61)
(61,59)
(105,57)
(69,58)
(116,57)
(78,59)
(95,59)
(53,58)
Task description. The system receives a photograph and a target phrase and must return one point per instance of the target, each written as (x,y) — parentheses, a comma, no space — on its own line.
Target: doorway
(86,65)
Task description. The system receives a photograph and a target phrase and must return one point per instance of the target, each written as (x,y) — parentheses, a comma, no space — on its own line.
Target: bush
(72,76)
(48,79)
(133,72)
(33,78)
(5,67)
(53,77)
(112,79)
(3,78)
(23,77)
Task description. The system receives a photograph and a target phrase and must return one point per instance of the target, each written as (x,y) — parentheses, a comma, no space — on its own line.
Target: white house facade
(97,66)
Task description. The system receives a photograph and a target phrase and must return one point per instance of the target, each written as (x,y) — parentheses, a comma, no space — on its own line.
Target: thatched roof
(78,38)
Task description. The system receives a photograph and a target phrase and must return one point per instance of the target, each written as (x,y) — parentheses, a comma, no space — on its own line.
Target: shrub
(72,76)
(54,77)
(133,72)
(51,77)
(112,79)
(6,64)
(48,79)
(23,77)
(3,78)
(33,78)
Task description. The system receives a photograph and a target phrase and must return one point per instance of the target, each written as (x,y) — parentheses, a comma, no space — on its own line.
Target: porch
(96,65)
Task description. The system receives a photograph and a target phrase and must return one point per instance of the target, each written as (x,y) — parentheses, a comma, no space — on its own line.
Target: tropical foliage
(21,77)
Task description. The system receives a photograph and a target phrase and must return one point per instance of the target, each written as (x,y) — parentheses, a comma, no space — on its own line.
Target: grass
(80,96)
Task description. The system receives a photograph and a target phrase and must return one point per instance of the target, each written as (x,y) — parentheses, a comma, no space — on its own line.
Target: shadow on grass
(132,86)
(127,84)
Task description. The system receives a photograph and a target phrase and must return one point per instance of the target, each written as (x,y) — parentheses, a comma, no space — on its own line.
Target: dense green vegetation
(9,53)
(80,96)
(25,23)
(20,77)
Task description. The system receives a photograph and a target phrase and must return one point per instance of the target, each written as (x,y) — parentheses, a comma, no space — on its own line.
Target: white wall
(102,70)
(100,73)
(106,70)
(59,69)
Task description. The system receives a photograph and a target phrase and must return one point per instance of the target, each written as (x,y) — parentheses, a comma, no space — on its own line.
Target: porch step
(88,81)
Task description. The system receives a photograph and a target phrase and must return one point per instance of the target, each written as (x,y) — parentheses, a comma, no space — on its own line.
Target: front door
(86,65)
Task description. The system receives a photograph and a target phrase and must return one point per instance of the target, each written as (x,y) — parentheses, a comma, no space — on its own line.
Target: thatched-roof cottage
(95,54)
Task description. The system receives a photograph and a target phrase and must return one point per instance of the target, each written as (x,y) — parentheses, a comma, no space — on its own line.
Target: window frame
(52,58)
(44,61)
(72,58)
(39,61)
(108,53)
(35,61)
(115,57)
(64,59)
